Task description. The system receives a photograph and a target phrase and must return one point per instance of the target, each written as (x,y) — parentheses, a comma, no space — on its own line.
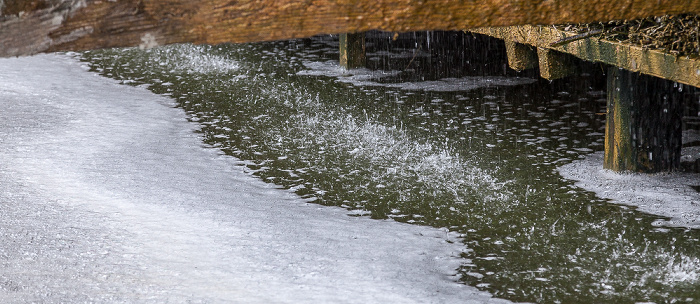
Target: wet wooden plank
(352,50)
(620,152)
(633,58)
(554,64)
(28,27)
(643,131)
(521,56)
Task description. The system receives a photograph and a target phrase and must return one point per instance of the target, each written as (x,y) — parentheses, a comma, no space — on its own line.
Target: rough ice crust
(107,195)
(664,194)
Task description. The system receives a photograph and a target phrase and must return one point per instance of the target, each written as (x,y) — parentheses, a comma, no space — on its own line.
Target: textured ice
(365,77)
(108,195)
(666,194)
(399,54)
(332,69)
(460,84)
(691,141)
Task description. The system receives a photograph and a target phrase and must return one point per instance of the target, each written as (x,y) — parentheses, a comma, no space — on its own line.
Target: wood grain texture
(643,129)
(32,26)
(658,63)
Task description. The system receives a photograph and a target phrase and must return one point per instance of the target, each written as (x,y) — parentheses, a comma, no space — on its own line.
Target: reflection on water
(432,135)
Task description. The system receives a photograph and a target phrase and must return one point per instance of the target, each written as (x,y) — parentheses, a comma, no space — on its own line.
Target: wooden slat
(521,56)
(682,69)
(28,27)
(352,50)
(554,64)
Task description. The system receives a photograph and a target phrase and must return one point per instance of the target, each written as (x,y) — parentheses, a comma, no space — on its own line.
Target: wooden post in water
(643,127)
(352,50)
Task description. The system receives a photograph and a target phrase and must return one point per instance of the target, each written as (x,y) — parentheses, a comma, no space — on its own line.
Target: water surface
(435,131)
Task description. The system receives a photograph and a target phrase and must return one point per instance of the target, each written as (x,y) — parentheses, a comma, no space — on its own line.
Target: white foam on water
(665,194)
(108,195)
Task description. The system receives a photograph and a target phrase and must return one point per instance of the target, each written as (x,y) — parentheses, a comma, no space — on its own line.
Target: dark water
(435,132)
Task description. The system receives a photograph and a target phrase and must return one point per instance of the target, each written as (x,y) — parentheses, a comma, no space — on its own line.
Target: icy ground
(108,195)
(666,194)
(365,77)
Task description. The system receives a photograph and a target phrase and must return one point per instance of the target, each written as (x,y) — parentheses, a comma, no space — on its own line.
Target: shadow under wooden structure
(643,117)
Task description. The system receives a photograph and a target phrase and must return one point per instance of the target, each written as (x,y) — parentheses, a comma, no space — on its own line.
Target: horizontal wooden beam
(521,56)
(555,65)
(630,57)
(28,27)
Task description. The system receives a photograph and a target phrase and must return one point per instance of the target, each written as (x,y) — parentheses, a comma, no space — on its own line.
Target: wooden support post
(555,65)
(643,127)
(521,56)
(352,50)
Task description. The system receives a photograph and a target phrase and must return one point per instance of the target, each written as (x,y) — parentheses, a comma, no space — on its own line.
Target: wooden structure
(33,26)
(538,40)
(643,126)
(352,50)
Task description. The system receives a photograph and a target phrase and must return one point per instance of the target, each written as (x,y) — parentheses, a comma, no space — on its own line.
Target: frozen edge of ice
(365,77)
(667,195)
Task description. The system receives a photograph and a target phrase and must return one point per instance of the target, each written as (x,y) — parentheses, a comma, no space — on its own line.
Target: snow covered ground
(666,194)
(107,194)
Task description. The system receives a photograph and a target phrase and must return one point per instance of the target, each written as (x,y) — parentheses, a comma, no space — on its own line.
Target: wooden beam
(643,131)
(352,50)
(521,56)
(28,27)
(620,154)
(633,58)
(555,65)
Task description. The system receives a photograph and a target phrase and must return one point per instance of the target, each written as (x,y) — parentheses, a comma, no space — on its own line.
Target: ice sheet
(365,77)
(665,194)
(108,195)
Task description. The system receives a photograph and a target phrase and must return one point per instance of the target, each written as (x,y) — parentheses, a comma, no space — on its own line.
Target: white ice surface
(664,194)
(108,195)
(365,77)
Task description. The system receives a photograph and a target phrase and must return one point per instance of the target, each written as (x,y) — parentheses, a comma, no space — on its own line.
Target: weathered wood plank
(633,58)
(31,26)
(352,50)
(521,56)
(554,64)
(643,131)
(620,152)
